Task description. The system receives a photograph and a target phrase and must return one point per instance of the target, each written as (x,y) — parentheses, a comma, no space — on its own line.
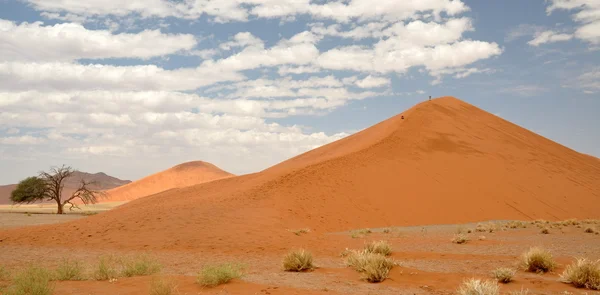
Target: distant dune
(182,175)
(101,182)
(443,161)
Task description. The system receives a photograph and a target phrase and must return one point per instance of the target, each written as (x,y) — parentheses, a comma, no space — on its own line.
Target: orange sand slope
(182,175)
(445,162)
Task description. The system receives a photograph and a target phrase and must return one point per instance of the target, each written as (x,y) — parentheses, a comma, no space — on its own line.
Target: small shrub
(377,268)
(364,231)
(299,260)
(482,238)
(479,287)
(162,287)
(142,265)
(32,281)
(387,230)
(380,247)
(301,231)
(520,292)
(516,224)
(214,275)
(537,260)
(69,270)
(460,239)
(107,269)
(583,273)
(503,274)
(545,231)
(590,230)
(486,227)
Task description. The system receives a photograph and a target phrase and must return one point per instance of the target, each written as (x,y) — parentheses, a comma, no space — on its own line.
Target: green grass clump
(69,270)
(583,273)
(537,260)
(141,265)
(298,260)
(107,269)
(379,247)
(32,281)
(162,286)
(214,275)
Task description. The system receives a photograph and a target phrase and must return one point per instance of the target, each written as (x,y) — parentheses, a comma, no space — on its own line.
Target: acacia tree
(49,186)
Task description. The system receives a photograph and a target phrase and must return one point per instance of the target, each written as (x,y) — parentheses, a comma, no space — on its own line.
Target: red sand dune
(182,175)
(446,162)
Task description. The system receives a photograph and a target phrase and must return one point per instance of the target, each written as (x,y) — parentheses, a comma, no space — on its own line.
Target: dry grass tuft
(583,273)
(479,287)
(516,224)
(142,265)
(379,247)
(298,260)
(537,260)
(460,239)
(162,286)
(32,281)
(69,270)
(214,275)
(520,292)
(590,230)
(482,238)
(486,227)
(387,230)
(545,231)
(375,267)
(503,274)
(300,231)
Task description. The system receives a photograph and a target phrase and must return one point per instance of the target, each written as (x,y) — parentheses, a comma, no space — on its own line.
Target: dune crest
(443,161)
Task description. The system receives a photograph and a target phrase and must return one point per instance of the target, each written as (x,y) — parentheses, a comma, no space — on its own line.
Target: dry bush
(503,274)
(214,275)
(379,247)
(482,238)
(162,286)
(516,224)
(479,287)
(142,265)
(590,230)
(486,227)
(545,231)
(520,292)
(583,273)
(460,239)
(69,270)
(32,281)
(537,260)
(298,260)
(387,230)
(107,268)
(375,267)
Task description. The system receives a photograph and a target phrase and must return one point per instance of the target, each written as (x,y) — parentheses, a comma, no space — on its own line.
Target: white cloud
(69,41)
(243,39)
(549,37)
(524,90)
(286,70)
(588,16)
(588,81)
(22,140)
(373,82)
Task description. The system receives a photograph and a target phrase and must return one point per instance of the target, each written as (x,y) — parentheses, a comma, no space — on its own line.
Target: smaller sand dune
(186,174)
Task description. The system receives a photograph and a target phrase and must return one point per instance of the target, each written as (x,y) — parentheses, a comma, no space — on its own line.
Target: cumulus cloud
(69,41)
(587,15)
(373,82)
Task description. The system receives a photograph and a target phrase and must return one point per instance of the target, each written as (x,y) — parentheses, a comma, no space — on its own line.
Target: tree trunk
(60,208)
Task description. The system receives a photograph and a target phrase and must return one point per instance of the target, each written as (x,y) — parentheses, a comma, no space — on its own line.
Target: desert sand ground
(428,262)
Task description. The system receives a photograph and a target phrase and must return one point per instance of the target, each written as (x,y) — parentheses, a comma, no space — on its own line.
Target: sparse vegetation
(537,260)
(486,227)
(503,274)
(516,224)
(32,281)
(520,292)
(162,286)
(4,274)
(590,230)
(142,265)
(387,230)
(214,275)
(545,231)
(69,270)
(300,231)
(479,287)
(107,269)
(298,260)
(460,239)
(379,247)
(482,238)
(374,267)
(583,273)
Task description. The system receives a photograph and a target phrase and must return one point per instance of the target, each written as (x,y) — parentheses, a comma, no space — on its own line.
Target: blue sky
(131,89)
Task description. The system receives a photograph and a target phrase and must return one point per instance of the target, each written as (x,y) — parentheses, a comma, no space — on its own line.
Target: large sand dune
(182,175)
(445,162)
